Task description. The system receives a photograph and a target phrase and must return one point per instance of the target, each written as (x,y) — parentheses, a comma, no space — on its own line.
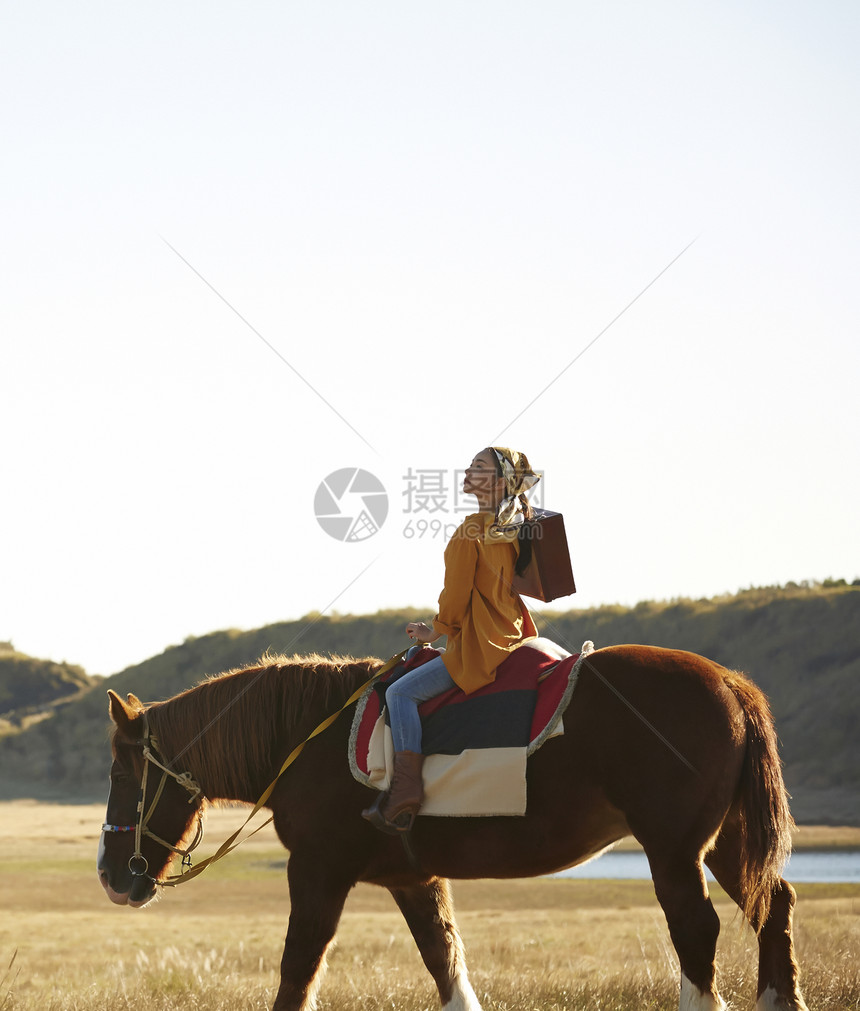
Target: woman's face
(483,480)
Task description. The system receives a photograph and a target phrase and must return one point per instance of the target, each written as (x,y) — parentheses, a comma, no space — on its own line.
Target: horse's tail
(761,804)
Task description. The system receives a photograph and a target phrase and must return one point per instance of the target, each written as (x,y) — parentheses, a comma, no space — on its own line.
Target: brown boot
(394,811)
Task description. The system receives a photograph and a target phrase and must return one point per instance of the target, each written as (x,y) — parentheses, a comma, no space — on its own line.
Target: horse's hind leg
(429,911)
(778,973)
(693,926)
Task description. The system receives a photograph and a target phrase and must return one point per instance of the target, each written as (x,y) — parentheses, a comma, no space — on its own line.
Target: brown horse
(661,744)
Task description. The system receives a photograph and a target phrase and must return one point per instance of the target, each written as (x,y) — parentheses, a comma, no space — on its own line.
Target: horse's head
(149,811)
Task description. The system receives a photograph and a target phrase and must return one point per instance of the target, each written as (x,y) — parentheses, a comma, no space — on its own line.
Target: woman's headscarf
(519,478)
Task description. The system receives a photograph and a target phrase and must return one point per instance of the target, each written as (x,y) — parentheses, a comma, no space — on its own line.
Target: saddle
(476,745)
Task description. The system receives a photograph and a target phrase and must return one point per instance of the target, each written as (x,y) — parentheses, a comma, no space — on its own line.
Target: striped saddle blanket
(475,746)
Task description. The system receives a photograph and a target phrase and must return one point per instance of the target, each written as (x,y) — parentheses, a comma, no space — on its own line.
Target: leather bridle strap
(141,827)
(183,778)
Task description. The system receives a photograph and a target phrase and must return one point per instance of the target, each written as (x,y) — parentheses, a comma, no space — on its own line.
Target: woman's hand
(420,631)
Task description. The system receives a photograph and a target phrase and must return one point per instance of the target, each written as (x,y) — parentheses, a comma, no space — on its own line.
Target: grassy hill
(29,686)
(799,642)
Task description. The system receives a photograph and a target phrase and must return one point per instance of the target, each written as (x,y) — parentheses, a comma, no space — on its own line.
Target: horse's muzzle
(141,891)
(120,898)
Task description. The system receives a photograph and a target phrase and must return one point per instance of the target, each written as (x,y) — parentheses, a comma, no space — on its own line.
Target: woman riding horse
(480,614)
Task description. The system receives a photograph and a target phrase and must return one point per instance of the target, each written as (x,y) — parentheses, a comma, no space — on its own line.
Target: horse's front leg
(429,911)
(317,897)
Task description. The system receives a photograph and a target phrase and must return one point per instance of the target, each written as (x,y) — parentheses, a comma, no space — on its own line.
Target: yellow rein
(231,843)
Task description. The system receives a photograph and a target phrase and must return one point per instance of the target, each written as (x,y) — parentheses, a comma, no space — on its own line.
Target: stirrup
(401,824)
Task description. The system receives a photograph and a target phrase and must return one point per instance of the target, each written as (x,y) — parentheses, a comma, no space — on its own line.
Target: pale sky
(415,217)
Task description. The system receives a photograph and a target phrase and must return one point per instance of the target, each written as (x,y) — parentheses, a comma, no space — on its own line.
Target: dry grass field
(215,943)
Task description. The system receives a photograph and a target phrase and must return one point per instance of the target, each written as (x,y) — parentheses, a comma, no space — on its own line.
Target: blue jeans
(402,698)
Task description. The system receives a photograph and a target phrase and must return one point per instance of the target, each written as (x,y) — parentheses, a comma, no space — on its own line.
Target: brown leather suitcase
(548,574)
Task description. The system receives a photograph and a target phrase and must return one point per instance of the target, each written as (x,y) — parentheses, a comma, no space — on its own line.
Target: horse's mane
(229,729)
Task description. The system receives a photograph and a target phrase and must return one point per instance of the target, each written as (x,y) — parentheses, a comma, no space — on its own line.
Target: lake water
(805,865)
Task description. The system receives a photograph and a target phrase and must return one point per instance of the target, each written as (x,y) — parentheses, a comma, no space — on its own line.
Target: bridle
(137,862)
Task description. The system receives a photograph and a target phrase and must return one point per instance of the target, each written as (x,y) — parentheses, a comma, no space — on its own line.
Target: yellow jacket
(482,617)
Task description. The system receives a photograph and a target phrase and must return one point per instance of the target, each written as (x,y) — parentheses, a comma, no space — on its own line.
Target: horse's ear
(122,713)
(135,703)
